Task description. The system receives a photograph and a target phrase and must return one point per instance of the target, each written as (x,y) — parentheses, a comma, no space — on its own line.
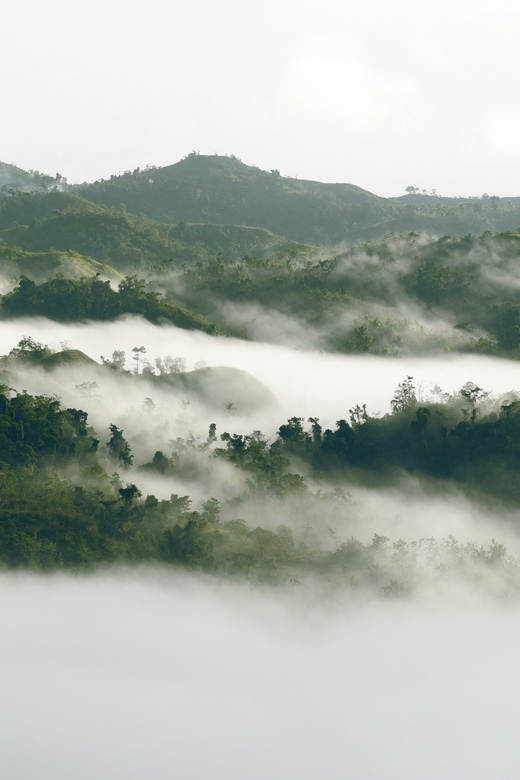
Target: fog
(304,382)
(152,672)
(280,383)
(294,382)
(418,331)
(134,674)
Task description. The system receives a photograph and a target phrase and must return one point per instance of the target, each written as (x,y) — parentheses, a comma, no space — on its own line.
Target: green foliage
(386,296)
(64,223)
(60,509)
(16,262)
(119,449)
(92,298)
(223,190)
(471,282)
(35,430)
(405,397)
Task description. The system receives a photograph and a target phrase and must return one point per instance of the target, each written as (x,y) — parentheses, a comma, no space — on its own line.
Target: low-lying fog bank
(302,383)
(149,674)
(305,383)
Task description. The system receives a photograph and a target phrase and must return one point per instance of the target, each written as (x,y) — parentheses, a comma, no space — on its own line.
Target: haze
(293,382)
(161,675)
(382,95)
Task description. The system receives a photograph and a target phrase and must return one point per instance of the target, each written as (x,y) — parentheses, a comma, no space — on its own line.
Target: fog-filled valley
(259,498)
(132,672)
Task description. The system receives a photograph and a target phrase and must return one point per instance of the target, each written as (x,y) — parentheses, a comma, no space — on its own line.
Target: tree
(117,362)
(88,390)
(358,415)
(118,447)
(404,397)
(128,494)
(138,351)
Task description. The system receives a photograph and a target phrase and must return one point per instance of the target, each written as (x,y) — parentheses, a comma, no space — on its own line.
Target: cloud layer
(156,674)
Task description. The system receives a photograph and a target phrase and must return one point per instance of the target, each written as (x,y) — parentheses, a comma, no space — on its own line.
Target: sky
(378,94)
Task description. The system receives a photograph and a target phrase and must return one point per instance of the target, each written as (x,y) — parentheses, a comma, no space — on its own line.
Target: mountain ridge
(218,190)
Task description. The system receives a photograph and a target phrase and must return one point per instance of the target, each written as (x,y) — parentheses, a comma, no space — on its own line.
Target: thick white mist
(154,675)
(305,383)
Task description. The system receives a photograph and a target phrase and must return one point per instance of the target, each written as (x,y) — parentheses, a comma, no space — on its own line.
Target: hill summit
(224,190)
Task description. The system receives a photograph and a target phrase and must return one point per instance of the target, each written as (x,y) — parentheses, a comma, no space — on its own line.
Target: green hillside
(14,179)
(16,262)
(11,176)
(200,207)
(223,190)
(400,295)
(62,221)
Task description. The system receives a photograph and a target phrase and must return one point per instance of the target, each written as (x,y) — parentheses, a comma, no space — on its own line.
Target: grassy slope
(39,266)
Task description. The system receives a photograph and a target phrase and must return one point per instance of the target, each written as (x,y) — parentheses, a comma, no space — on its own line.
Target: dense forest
(410,289)
(215,246)
(398,296)
(92,298)
(70,495)
(401,295)
(224,190)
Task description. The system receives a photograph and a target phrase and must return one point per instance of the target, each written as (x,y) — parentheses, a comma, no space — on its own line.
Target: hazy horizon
(379,95)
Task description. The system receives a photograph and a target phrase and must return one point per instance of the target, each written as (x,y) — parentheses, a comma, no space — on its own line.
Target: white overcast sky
(380,93)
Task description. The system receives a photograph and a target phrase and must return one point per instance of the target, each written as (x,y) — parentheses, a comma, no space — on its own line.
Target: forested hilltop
(224,190)
(426,291)
(219,190)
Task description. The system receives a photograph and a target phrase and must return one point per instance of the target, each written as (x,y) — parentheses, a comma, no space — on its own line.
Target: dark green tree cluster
(443,441)
(36,430)
(59,507)
(92,298)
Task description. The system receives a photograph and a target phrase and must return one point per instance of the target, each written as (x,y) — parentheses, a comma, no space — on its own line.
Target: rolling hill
(223,190)
(63,222)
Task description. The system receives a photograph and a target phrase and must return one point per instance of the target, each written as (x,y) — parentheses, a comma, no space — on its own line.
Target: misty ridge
(410,295)
(196,468)
(261,388)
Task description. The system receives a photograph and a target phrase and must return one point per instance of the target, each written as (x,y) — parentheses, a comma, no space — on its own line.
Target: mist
(127,674)
(392,655)
(280,383)
(304,382)
(398,670)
